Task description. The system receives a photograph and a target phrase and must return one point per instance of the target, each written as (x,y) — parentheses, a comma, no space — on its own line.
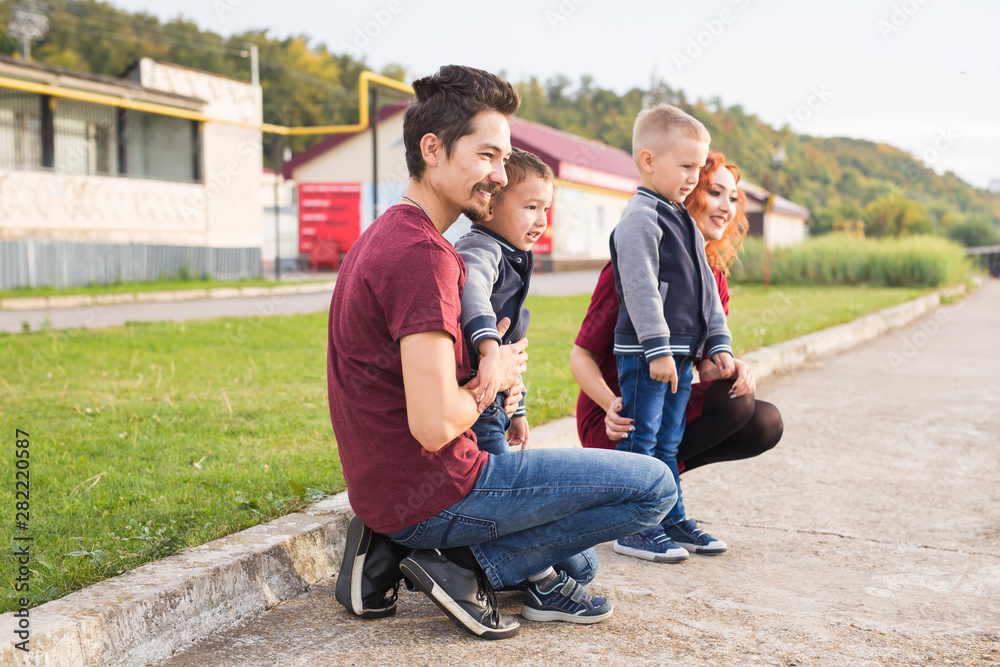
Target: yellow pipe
(365,80)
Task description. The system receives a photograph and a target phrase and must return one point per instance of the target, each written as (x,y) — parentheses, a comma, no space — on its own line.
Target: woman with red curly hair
(724,420)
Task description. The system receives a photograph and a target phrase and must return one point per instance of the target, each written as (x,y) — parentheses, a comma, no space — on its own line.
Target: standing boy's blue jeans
(660,416)
(536,508)
(491,427)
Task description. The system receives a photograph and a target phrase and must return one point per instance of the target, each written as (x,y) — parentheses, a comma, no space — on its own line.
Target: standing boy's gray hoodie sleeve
(637,244)
(482,258)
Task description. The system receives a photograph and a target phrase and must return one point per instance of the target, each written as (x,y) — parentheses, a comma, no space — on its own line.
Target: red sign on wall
(329,212)
(544,244)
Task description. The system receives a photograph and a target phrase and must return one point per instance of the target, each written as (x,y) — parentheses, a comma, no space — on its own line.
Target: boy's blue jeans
(491,427)
(537,508)
(660,416)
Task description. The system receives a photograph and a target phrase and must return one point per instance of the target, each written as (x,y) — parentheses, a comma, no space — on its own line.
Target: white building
(105,180)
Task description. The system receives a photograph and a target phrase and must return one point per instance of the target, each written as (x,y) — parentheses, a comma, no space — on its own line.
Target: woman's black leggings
(729,428)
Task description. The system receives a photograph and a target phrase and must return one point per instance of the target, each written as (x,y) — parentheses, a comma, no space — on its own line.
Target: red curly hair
(722,253)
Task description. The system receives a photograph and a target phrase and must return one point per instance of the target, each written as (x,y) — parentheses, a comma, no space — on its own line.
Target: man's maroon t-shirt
(400,278)
(597,336)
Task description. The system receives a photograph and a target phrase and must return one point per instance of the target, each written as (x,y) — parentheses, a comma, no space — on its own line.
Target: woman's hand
(616,426)
(745,383)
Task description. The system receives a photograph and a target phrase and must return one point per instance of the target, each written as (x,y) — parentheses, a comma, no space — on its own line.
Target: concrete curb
(793,354)
(78,300)
(146,614)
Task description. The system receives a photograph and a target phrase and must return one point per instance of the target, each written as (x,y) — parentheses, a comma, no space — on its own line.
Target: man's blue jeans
(536,508)
(659,415)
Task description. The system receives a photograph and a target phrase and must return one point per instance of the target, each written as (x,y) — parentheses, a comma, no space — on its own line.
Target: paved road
(869,536)
(544,284)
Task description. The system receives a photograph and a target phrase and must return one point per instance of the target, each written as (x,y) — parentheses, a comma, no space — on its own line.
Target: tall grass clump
(835,259)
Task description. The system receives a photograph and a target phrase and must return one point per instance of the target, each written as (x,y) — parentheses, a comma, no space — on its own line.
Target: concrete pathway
(104,315)
(869,536)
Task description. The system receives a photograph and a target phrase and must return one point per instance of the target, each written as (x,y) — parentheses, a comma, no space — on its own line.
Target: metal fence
(41,263)
(988,258)
(39,132)
(20,130)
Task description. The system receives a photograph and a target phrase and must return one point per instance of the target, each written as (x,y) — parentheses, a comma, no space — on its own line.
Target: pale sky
(922,75)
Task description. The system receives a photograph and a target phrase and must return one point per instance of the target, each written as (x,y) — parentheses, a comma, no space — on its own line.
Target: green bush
(974,231)
(835,259)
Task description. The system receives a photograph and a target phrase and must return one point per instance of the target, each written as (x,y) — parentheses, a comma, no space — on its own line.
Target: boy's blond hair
(655,127)
(520,165)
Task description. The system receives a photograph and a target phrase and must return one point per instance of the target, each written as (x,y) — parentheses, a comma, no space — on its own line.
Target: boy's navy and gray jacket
(668,302)
(496,285)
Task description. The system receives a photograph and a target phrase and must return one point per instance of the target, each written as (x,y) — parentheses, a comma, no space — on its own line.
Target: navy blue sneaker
(566,600)
(687,535)
(651,544)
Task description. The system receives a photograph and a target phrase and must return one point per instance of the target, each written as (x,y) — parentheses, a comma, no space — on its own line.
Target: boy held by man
(669,311)
(499,262)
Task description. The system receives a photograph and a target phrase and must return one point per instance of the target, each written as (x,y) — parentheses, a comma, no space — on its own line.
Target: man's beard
(479,214)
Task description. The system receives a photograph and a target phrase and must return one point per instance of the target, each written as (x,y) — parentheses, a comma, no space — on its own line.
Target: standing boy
(669,309)
(499,262)
(401,409)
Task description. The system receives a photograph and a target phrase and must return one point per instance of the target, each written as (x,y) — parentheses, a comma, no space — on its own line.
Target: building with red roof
(593,182)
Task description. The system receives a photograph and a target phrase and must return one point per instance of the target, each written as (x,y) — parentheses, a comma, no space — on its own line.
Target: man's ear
(431,149)
(646,158)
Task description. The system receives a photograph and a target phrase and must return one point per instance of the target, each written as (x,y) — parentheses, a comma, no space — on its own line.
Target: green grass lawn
(152,437)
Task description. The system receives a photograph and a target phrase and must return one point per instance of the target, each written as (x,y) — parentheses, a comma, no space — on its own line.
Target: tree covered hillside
(842,181)
(303,83)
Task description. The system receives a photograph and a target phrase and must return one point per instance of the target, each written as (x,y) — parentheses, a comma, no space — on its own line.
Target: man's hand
(517,433)
(616,426)
(745,383)
(724,361)
(491,373)
(663,369)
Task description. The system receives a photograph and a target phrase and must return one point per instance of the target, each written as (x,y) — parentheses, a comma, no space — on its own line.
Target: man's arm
(437,409)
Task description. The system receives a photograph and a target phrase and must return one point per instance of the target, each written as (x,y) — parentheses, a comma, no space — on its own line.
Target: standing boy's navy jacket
(668,302)
(496,285)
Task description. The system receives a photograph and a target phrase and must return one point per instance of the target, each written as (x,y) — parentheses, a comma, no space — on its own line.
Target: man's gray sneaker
(466,596)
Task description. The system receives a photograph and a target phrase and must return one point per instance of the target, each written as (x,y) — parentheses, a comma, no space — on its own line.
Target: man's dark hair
(446,104)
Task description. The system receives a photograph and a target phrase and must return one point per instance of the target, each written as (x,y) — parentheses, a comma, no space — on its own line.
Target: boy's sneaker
(466,596)
(651,544)
(687,534)
(566,600)
(369,574)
